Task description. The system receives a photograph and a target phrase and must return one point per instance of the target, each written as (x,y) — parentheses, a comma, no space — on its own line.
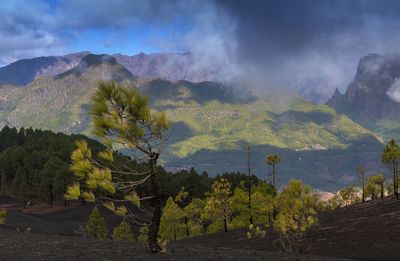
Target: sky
(272,44)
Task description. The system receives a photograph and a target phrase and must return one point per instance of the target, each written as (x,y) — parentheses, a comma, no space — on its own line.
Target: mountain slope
(365,231)
(60,102)
(373,97)
(211,124)
(170,66)
(25,71)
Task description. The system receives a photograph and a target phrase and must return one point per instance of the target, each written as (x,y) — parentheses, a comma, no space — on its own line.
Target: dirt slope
(21,246)
(366,231)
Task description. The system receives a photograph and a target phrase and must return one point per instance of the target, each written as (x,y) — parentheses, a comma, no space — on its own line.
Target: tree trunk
(155,221)
(225,225)
(269,217)
(187,227)
(382,191)
(3,184)
(250,184)
(394,179)
(274,178)
(156,205)
(363,193)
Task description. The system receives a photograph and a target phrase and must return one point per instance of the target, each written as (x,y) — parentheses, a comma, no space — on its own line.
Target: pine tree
(272,161)
(375,186)
(171,225)
(349,195)
(391,158)
(96,226)
(297,215)
(3,189)
(3,215)
(362,179)
(193,214)
(123,231)
(17,179)
(218,205)
(121,117)
(143,231)
(22,194)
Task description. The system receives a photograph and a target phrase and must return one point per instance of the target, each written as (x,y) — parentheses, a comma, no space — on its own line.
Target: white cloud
(394,91)
(26,30)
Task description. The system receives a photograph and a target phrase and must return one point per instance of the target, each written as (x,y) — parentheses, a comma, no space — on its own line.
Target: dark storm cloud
(312,43)
(267,28)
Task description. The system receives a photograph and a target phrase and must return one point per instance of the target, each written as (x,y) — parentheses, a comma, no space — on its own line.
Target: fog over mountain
(311,46)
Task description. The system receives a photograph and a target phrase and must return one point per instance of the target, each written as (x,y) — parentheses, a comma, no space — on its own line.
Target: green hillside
(208,119)
(217,125)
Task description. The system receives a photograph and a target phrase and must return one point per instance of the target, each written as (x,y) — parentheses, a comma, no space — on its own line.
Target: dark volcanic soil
(22,246)
(366,231)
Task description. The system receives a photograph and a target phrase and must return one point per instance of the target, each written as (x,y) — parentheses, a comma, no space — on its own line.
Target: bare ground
(367,231)
(22,246)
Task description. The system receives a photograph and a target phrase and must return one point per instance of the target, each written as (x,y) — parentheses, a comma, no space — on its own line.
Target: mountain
(25,71)
(212,123)
(60,102)
(373,97)
(170,66)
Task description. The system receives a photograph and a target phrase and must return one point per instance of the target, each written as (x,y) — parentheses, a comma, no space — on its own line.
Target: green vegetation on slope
(210,123)
(220,126)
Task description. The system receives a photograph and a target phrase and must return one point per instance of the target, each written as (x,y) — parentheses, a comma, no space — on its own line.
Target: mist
(310,46)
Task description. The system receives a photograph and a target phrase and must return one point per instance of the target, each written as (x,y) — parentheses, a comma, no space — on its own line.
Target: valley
(212,123)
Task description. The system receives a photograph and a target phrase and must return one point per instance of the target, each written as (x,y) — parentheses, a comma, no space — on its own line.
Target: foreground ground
(367,231)
(22,246)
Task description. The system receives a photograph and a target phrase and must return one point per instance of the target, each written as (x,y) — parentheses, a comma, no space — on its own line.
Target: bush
(96,226)
(123,231)
(143,234)
(3,215)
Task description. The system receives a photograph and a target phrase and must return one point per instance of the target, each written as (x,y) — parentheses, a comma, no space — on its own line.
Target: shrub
(123,231)
(143,231)
(96,226)
(3,215)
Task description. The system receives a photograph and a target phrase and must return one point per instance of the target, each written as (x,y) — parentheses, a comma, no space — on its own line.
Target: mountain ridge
(208,119)
(24,71)
(373,97)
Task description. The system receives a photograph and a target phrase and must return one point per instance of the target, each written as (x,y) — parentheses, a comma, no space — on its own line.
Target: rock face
(375,91)
(25,71)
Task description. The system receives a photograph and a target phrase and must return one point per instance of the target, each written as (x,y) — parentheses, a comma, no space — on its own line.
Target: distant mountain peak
(97,59)
(24,71)
(101,67)
(369,97)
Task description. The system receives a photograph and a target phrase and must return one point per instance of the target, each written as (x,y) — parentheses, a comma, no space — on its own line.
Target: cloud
(310,44)
(26,30)
(394,91)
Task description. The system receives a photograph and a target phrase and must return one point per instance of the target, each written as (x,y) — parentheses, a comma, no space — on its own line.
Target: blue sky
(46,27)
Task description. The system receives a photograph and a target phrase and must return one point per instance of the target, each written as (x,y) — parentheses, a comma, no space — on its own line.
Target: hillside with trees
(211,122)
